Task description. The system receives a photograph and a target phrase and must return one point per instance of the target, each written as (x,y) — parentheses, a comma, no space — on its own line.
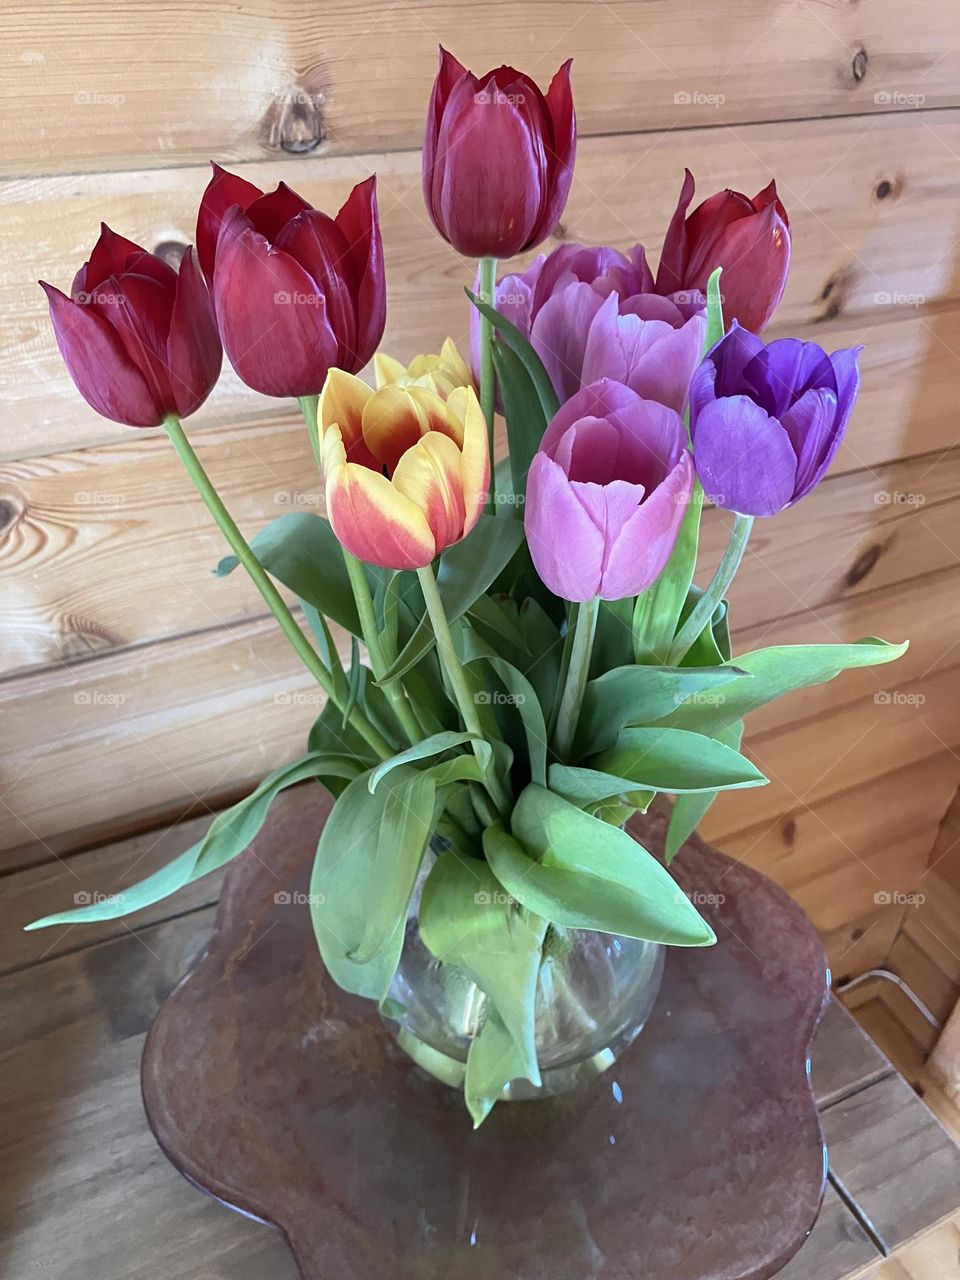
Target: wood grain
(837,1247)
(101,89)
(860,259)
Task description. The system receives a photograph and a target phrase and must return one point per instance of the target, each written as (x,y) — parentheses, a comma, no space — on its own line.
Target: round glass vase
(595,992)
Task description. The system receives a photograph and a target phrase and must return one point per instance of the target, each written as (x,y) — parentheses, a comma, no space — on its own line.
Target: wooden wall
(135,688)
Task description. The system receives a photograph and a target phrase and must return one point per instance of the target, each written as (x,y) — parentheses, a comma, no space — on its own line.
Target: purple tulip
(766,420)
(497,158)
(592,313)
(606,493)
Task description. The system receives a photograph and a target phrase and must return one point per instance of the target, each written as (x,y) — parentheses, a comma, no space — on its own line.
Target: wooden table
(85,1193)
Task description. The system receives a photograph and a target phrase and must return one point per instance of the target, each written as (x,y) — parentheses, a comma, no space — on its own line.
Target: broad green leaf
(466,920)
(301,551)
(613,640)
(432,746)
(577,871)
(518,344)
(656,615)
(466,571)
(688,810)
(636,695)
(675,760)
(781,669)
(494,1059)
(522,697)
(462,768)
(363,876)
(328,651)
(228,835)
(327,734)
(714,311)
(498,620)
(354,681)
(525,417)
(712,646)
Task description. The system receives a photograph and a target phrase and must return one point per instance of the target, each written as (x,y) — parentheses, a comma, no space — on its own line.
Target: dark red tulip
(749,239)
(297,292)
(139,339)
(497,158)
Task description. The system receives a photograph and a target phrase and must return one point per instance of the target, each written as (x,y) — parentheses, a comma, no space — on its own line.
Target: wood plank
(894,1160)
(837,1247)
(859,259)
(282,74)
(933,1257)
(845,1059)
(81,525)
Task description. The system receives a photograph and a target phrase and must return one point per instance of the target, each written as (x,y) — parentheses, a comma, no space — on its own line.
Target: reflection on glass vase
(595,992)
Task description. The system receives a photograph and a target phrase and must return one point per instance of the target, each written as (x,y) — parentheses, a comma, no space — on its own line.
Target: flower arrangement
(531,661)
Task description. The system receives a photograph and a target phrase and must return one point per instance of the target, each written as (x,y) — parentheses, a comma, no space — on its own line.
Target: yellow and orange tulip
(441,373)
(406,472)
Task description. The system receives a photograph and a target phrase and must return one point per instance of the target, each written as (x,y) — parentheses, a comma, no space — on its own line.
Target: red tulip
(497,158)
(297,292)
(749,239)
(138,338)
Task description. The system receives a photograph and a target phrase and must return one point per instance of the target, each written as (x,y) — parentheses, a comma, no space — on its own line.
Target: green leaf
(578,871)
(676,760)
(432,746)
(525,417)
(714,311)
(519,345)
(301,551)
(634,695)
(494,1059)
(466,920)
(363,876)
(354,682)
(656,615)
(466,571)
(688,810)
(228,835)
(770,673)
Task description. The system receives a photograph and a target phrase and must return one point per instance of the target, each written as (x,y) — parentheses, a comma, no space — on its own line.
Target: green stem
(706,606)
(458,680)
(308,407)
(264,584)
(577,673)
(371,638)
(488,386)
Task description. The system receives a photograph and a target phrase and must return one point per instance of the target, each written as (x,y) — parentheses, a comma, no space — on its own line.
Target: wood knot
(865,563)
(560,231)
(834,293)
(859,65)
(171,252)
(888,189)
(10,513)
(857,933)
(295,119)
(789,832)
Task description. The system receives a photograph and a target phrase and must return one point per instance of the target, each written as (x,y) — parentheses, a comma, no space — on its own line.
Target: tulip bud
(606,494)
(497,158)
(440,373)
(406,473)
(749,239)
(139,339)
(766,421)
(297,292)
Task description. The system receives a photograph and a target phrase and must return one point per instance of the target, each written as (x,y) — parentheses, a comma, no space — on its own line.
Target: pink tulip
(606,493)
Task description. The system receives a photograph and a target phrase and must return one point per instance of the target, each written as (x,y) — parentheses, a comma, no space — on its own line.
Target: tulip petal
(194,352)
(810,425)
(318,244)
(394,419)
(744,458)
(559,336)
(387,370)
(649,356)
(463,404)
(98,363)
(272,320)
(755,255)
(113,255)
(369,516)
(224,190)
(359,223)
(640,546)
(139,309)
(431,476)
(342,402)
(598,400)
(784,369)
(561,154)
(270,213)
(565,544)
(673,255)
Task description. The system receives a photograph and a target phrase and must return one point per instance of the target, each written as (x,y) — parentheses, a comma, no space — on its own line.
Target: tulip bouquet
(531,659)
